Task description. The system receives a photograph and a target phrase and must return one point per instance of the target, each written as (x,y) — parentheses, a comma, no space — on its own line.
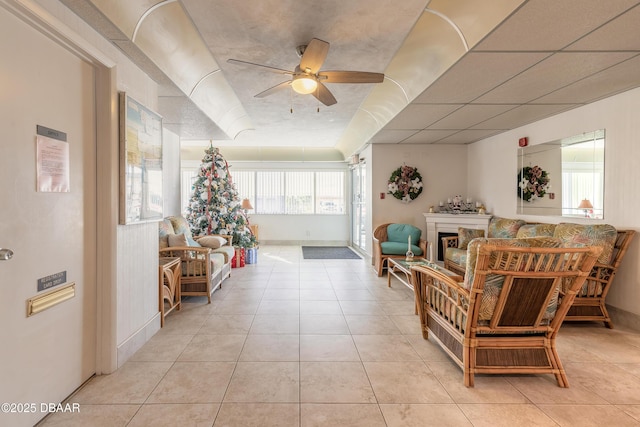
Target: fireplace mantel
(449,223)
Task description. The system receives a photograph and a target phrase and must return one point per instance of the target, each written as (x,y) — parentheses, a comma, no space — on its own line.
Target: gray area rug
(328,252)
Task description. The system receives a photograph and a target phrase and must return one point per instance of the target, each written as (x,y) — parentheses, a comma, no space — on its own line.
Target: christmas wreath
(405,183)
(533,183)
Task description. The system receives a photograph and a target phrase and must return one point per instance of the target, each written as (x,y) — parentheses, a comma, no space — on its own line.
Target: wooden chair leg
(468,361)
(561,375)
(607,319)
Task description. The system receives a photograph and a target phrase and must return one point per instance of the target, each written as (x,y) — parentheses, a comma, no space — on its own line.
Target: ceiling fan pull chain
(291,100)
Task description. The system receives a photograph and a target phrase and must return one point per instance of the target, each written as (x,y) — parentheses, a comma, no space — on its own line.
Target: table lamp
(246,205)
(585,205)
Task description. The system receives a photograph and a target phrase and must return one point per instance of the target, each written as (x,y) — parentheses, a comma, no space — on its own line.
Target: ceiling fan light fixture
(304,84)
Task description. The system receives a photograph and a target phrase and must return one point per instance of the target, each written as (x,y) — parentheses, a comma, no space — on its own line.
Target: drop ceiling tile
(473,18)
(392,136)
(489,69)
(552,24)
(470,115)
(622,33)
(428,136)
(469,136)
(523,115)
(419,116)
(557,71)
(616,79)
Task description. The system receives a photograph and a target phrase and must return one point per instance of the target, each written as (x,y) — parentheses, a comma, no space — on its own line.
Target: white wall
(137,254)
(493,171)
(302,229)
(171,173)
(444,174)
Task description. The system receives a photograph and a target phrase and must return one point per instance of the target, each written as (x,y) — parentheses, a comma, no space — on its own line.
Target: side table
(170,271)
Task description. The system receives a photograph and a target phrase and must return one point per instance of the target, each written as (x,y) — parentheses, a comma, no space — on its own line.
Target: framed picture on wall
(140,162)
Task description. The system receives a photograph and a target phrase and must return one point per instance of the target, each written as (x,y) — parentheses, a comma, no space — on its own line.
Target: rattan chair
(589,304)
(505,316)
(379,255)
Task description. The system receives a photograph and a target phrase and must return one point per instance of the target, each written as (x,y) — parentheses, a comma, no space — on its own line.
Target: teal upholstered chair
(392,241)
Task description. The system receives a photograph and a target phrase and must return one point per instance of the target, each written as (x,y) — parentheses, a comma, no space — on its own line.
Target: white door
(45,357)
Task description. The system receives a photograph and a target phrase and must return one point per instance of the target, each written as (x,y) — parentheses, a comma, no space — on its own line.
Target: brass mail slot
(42,302)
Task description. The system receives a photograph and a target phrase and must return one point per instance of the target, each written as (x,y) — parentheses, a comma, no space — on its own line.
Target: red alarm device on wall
(523,142)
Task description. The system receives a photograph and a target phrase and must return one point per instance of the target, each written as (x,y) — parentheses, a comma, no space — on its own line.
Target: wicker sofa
(505,316)
(589,303)
(203,268)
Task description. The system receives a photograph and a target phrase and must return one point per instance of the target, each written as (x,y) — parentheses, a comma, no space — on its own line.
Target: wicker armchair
(381,254)
(589,304)
(505,316)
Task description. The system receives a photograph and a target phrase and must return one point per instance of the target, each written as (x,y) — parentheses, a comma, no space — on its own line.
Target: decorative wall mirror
(563,177)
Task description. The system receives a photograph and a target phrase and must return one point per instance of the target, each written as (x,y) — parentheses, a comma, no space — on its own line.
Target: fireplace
(441,225)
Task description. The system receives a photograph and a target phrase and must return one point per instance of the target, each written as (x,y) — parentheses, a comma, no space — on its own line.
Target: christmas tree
(214,206)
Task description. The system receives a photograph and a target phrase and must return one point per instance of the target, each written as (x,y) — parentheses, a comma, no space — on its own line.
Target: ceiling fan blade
(268,67)
(324,95)
(314,55)
(350,77)
(273,89)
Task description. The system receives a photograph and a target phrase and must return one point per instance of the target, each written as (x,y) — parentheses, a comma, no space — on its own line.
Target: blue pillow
(400,233)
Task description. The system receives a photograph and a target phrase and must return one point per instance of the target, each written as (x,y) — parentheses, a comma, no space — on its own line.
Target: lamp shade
(585,204)
(304,84)
(246,204)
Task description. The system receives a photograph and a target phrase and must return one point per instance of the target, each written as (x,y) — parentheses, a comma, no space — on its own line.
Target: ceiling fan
(307,77)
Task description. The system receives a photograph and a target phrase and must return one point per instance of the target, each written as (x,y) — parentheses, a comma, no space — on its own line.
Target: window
(292,192)
(269,192)
(245,184)
(188,178)
(330,193)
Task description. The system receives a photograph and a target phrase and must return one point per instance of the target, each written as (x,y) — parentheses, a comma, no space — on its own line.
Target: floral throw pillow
(465,235)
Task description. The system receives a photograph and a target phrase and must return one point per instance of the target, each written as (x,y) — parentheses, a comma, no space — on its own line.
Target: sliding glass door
(358,206)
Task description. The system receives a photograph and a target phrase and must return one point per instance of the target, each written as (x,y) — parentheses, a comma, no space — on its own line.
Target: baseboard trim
(132,344)
(624,318)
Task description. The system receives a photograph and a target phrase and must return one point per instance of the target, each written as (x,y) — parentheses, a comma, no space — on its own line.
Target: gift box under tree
(238,259)
(251,255)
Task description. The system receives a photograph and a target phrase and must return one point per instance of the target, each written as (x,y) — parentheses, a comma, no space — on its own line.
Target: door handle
(5,254)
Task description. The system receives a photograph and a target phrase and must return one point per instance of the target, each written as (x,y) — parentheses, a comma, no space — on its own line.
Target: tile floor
(294,342)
